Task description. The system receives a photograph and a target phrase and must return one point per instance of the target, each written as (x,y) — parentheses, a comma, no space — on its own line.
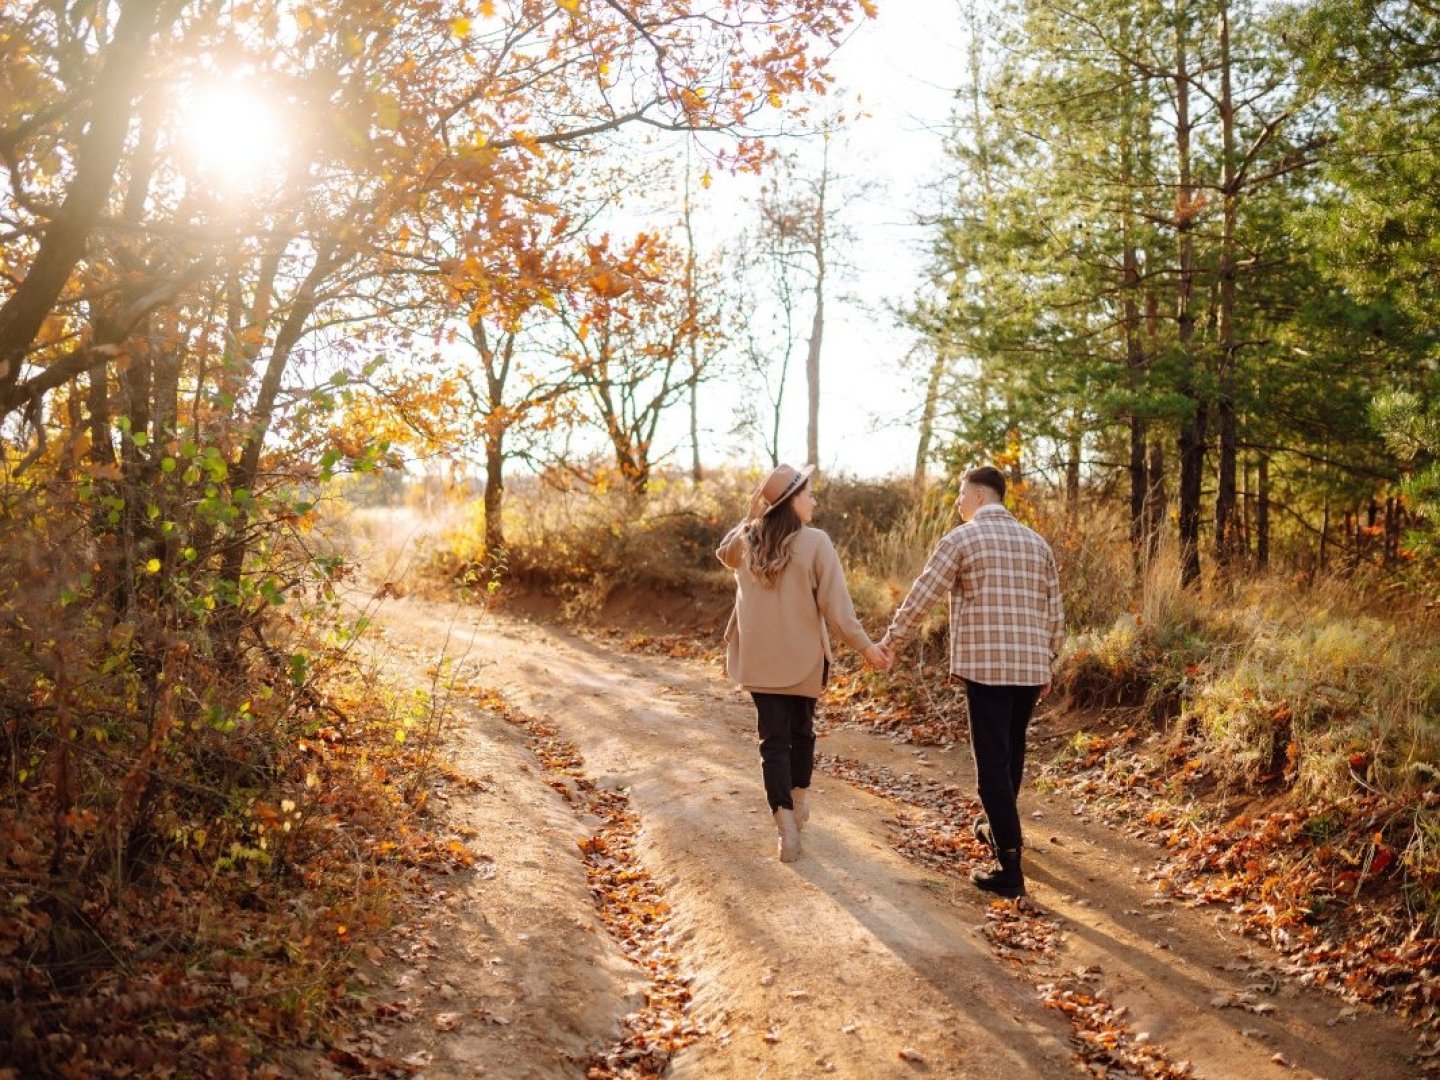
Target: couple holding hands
(1006,627)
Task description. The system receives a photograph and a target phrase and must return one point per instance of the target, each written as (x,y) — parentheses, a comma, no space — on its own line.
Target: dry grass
(1300,682)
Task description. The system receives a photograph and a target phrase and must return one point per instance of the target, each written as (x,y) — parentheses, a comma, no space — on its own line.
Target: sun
(233,134)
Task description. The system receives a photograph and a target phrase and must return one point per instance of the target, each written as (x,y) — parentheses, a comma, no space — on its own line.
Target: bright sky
(904,65)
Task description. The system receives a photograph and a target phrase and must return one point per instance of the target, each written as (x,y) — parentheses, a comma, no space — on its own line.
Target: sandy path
(831,966)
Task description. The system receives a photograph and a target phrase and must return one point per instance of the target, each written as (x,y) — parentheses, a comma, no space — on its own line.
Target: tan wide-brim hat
(783,483)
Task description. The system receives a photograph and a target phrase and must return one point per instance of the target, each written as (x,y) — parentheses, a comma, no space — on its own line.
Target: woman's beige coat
(777,641)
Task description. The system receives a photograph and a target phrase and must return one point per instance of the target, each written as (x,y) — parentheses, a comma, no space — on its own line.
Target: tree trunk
(927,415)
(247,469)
(1072,473)
(135,391)
(817,324)
(812,378)
(1191,443)
(497,364)
(98,157)
(494,493)
(773,444)
(1135,359)
(1324,536)
(97,399)
(1155,500)
(692,312)
(1227,540)
(1262,513)
(1392,547)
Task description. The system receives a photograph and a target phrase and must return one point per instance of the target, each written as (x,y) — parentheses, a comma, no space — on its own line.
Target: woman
(789,586)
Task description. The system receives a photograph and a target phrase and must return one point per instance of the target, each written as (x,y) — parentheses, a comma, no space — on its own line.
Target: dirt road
(855,961)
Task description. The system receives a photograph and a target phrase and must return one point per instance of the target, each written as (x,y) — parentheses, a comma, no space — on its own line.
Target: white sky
(904,66)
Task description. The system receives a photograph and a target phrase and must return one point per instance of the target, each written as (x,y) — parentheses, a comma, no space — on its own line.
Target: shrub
(580,544)
(1327,702)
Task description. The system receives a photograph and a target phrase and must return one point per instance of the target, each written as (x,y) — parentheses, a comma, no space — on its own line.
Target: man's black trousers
(999,717)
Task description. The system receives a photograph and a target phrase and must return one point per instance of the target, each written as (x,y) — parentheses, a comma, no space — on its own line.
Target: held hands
(879,657)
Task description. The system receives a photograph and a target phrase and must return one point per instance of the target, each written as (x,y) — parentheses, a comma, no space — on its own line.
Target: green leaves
(1412,431)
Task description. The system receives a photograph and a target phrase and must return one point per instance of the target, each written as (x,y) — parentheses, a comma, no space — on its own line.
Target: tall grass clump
(1092,552)
(580,543)
(1324,695)
(884,531)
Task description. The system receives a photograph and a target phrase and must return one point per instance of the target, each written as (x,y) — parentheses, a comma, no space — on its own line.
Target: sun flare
(233,134)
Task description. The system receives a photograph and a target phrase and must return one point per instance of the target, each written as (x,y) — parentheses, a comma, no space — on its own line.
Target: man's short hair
(986,476)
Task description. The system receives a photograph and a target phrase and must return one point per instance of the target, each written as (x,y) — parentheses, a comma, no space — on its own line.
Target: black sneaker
(1007,879)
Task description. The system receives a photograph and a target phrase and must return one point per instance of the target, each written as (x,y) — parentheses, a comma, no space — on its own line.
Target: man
(1006,628)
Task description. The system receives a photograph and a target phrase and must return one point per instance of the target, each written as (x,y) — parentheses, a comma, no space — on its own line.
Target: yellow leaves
(693,101)
(609,284)
(54,329)
(487,9)
(527,141)
(868,6)
(572,6)
(387,111)
(706,179)
(460,27)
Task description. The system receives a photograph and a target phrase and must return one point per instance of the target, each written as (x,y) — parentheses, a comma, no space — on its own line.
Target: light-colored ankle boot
(789,849)
(801,797)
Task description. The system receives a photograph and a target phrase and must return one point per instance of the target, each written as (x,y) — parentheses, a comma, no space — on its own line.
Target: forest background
(265,263)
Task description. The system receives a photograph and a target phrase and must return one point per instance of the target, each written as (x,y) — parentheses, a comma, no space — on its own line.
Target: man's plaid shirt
(1007,622)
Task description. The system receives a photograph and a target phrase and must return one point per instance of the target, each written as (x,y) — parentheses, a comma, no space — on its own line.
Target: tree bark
(927,415)
(1072,472)
(1191,443)
(817,323)
(1262,512)
(107,335)
(1135,358)
(494,492)
(1156,500)
(97,400)
(1227,538)
(692,313)
(247,469)
(98,157)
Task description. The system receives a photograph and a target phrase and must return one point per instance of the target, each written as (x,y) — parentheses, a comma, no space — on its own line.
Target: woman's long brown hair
(767,540)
